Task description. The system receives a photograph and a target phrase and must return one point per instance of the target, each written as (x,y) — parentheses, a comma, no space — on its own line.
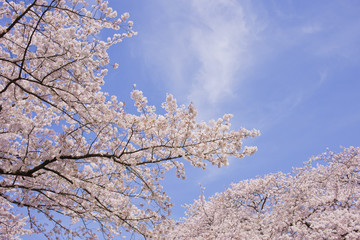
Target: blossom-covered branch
(318,201)
(66,149)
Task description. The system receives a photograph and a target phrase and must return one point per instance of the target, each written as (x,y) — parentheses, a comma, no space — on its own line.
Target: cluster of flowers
(66,149)
(319,201)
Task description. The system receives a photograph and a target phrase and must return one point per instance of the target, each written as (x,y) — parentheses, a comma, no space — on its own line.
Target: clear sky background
(288,68)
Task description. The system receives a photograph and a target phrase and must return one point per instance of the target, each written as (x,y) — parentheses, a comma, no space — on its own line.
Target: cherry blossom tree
(321,200)
(68,151)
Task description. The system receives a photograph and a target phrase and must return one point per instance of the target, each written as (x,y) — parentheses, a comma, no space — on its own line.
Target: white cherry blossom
(320,200)
(68,150)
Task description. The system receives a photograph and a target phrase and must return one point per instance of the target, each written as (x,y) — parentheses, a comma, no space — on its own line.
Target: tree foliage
(312,202)
(66,148)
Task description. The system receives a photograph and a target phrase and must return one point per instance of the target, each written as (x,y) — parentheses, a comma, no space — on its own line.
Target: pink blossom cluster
(320,200)
(69,151)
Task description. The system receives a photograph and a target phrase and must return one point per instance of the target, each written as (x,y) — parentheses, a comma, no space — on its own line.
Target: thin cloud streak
(221,48)
(206,54)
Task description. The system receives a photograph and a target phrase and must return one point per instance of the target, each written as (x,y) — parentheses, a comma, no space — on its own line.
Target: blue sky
(288,68)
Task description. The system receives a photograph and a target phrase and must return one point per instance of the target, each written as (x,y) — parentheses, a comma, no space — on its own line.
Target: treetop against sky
(289,69)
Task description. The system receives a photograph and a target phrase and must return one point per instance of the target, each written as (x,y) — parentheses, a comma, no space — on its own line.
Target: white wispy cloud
(311,28)
(205,49)
(220,47)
